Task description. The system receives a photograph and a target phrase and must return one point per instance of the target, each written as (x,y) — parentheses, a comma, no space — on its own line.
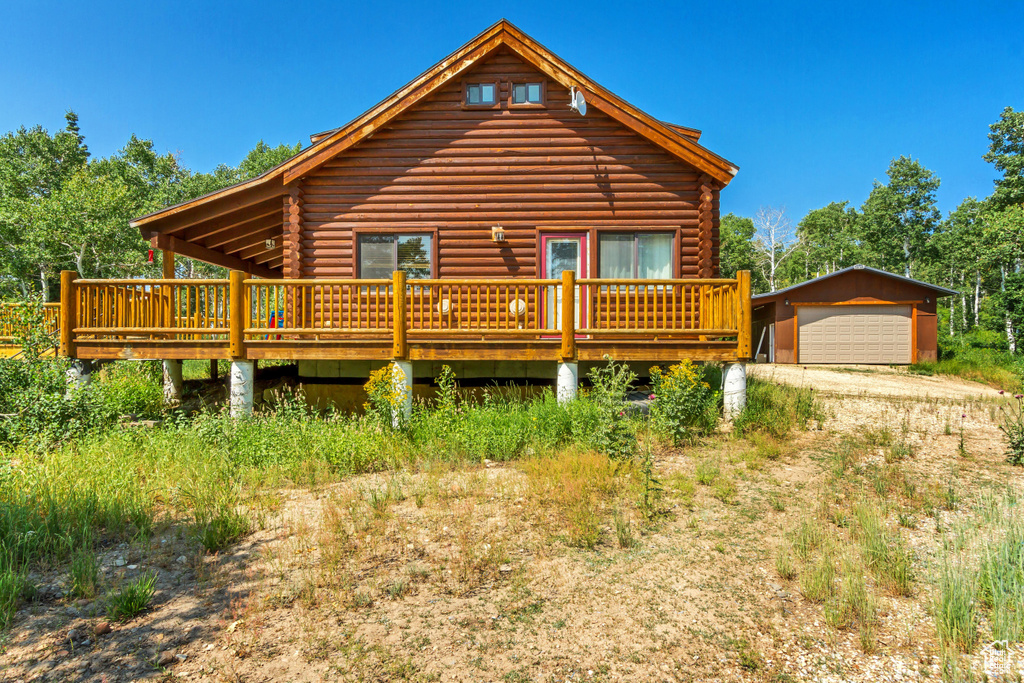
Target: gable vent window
(481,94)
(527,93)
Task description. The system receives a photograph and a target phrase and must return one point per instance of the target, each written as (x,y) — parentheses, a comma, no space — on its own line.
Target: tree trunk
(977,295)
(1011,339)
(906,255)
(44,283)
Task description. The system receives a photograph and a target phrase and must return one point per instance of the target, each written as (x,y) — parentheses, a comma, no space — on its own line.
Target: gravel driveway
(870,380)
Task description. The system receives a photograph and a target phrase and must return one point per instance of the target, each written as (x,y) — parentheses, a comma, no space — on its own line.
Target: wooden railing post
(401,347)
(68,312)
(568,315)
(744,315)
(167,291)
(236,314)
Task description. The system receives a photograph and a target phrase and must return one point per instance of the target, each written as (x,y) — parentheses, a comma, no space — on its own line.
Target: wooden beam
(171,243)
(167,265)
(222,237)
(254,243)
(185,216)
(209,228)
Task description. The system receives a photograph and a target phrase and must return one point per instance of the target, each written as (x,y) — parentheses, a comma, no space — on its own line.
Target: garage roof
(939,291)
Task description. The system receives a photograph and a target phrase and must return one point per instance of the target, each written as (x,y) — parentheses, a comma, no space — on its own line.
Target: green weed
(132,599)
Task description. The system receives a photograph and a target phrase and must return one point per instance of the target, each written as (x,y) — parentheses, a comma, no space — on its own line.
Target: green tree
(829,238)
(899,217)
(1006,153)
(33,166)
(263,157)
(736,250)
(1004,242)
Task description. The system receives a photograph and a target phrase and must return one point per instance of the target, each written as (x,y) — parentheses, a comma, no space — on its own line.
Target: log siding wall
(459,171)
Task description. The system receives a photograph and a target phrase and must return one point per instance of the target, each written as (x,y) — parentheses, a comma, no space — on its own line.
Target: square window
(480,94)
(644,255)
(527,93)
(381,255)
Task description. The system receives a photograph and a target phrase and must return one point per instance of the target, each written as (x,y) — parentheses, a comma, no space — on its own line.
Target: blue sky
(812,100)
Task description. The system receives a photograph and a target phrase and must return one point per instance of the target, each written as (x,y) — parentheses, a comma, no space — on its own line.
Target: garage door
(853,334)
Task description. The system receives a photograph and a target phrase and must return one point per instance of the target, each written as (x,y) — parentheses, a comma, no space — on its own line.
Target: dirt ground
(461,577)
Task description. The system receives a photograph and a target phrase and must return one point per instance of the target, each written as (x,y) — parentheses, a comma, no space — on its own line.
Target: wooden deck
(439,319)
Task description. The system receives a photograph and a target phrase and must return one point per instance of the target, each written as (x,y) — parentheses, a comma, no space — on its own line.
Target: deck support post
(240,388)
(172,382)
(734,389)
(402,377)
(79,373)
(566,381)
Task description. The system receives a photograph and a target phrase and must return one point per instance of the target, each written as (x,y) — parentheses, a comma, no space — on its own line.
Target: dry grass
(763,559)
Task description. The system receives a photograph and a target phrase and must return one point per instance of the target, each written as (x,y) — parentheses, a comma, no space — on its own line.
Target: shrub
(610,386)
(386,395)
(1012,426)
(131,388)
(132,599)
(684,405)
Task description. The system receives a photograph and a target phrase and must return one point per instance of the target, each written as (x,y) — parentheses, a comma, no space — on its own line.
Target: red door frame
(584,266)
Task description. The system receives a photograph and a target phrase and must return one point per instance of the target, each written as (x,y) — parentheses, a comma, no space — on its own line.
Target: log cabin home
(471,217)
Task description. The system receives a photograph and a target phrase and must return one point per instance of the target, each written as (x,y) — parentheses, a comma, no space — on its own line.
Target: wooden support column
(400,347)
(236,314)
(568,315)
(68,312)
(744,315)
(167,263)
(705,228)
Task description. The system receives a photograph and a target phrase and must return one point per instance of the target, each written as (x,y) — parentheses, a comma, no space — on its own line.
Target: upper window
(644,255)
(381,255)
(527,93)
(481,94)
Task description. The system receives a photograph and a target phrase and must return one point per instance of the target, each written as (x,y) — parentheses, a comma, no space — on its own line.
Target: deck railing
(165,309)
(238,312)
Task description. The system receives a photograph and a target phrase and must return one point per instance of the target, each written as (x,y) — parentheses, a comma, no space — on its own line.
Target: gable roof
(677,140)
(940,291)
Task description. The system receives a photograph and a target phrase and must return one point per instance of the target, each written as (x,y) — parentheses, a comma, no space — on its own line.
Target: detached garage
(856,315)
